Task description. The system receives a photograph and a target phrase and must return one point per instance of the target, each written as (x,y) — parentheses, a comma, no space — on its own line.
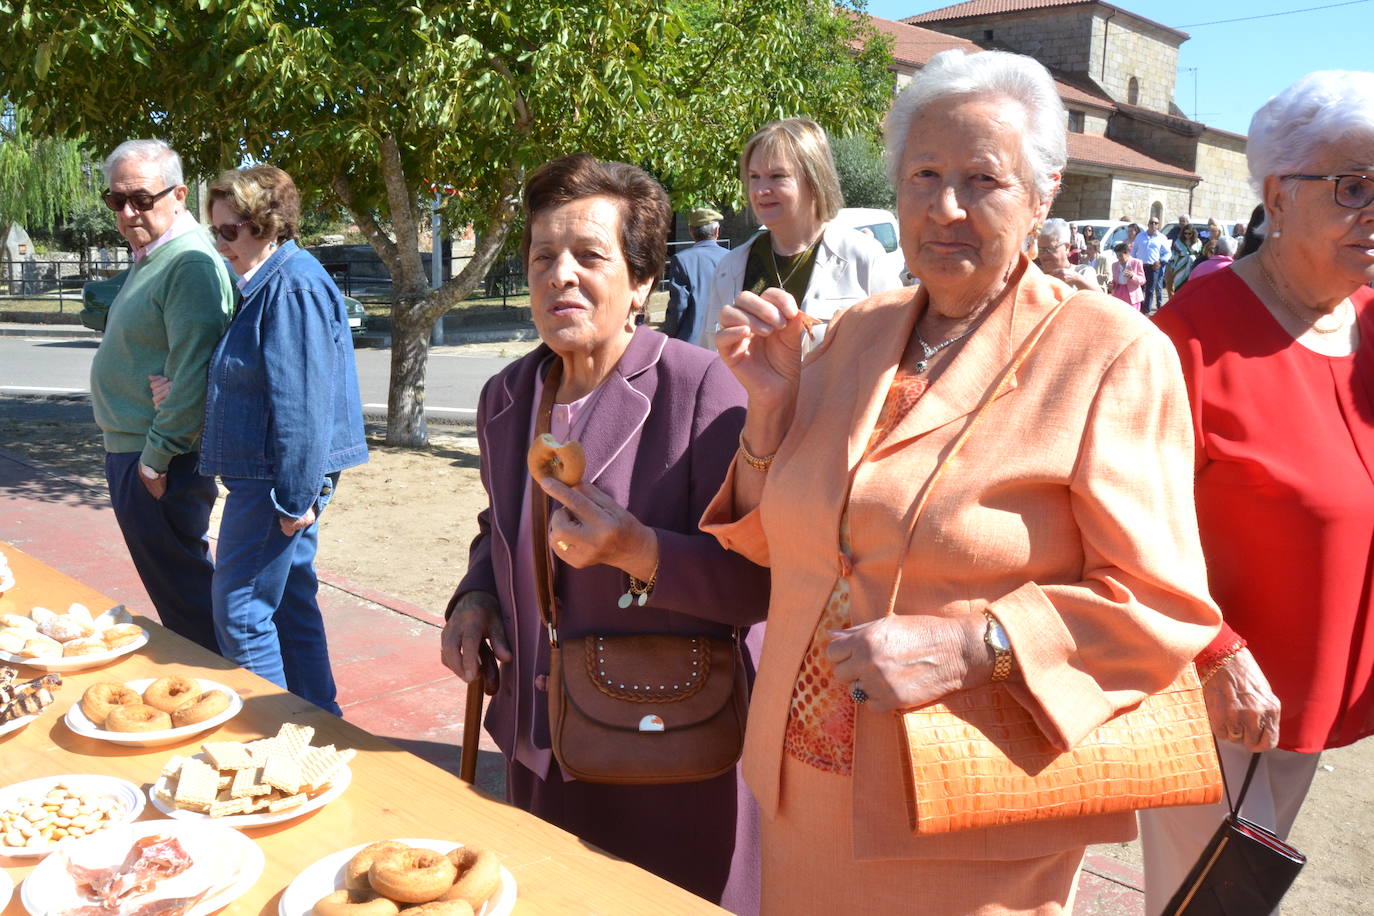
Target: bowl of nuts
(38,814)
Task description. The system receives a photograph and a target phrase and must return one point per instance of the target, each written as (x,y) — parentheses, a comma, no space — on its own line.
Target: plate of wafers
(253,783)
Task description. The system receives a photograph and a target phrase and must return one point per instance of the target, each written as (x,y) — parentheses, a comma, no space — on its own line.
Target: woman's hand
(290,526)
(473,619)
(1240,704)
(590,528)
(161,386)
(903,661)
(760,341)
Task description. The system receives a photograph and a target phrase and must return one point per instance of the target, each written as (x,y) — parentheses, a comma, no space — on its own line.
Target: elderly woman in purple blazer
(659,421)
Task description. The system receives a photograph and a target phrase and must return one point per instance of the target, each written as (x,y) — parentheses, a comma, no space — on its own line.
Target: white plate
(259,819)
(66,663)
(224,860)
(76,719)
(13,725)
(128,793)
(327,875)
(6,889)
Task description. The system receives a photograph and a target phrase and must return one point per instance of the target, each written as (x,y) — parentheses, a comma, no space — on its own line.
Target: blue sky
(1239,65)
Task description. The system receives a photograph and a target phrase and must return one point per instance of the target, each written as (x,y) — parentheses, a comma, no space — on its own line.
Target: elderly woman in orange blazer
(1058,552)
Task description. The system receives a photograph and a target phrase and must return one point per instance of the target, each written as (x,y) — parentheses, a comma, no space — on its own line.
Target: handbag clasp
(651,723)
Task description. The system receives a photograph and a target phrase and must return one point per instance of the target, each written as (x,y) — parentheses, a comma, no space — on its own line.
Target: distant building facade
(1131,150)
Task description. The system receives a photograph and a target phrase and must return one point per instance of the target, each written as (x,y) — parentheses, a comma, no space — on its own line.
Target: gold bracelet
(1219,664)
(754,461)
(639,590)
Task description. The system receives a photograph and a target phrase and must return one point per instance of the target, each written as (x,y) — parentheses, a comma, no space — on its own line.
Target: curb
(380,340)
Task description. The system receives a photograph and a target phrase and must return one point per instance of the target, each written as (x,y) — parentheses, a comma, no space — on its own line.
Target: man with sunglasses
(166,320)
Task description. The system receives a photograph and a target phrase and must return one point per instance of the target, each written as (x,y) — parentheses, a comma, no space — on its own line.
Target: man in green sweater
(166,320)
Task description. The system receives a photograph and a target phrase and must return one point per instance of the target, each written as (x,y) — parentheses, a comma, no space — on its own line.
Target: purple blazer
(661,437)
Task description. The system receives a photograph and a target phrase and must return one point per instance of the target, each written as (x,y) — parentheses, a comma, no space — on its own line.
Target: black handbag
(1244,871)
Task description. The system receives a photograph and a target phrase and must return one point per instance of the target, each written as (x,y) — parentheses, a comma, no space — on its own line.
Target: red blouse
(1285,501)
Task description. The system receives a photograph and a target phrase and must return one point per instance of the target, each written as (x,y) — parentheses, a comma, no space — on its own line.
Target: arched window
(1157,211)
(1133,91)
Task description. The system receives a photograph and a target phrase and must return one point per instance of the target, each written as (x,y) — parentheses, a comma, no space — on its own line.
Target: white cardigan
(850,266)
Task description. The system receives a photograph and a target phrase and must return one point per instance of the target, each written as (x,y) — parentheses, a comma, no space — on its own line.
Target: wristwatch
(996,638)
(149,472)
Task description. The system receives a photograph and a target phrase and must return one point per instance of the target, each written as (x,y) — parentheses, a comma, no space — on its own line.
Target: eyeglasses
(141,200)
(1354,192)
(229,232)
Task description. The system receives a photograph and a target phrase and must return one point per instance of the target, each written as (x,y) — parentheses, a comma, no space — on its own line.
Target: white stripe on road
(52,390)
(456,411)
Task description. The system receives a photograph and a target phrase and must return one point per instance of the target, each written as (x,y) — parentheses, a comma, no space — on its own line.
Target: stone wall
(1056,37)
(1154,140)
(1225,189)
(1084,196)
(1139,197)
(1123,47)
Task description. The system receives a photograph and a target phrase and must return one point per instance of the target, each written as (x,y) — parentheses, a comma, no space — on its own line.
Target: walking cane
(487,680)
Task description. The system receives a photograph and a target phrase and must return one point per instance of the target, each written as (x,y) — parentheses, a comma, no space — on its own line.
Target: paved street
(46,365)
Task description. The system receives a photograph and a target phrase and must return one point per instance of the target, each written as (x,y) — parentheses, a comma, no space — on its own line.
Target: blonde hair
(263,194)
(802,142)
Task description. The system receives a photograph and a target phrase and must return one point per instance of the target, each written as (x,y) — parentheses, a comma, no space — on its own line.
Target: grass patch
(68,304)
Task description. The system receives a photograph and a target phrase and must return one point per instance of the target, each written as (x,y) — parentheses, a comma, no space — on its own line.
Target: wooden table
(393,793)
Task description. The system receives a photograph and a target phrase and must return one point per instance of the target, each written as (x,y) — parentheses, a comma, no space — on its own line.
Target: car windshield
(884,233)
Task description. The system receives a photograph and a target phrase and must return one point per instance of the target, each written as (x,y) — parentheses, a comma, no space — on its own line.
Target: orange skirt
(809,867)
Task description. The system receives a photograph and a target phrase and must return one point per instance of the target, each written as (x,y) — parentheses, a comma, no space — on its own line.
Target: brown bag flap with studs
(629,677)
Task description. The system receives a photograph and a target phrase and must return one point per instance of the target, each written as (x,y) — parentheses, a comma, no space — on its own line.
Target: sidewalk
(386,660)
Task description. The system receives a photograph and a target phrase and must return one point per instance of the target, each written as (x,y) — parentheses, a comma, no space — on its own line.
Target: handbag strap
(539,512)
(1244,787)
(992,394)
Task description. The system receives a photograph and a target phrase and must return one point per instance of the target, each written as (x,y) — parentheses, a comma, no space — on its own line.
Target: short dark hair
(1120,248)
(645,215)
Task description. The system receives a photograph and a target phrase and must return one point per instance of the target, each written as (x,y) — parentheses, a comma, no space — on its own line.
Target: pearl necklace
(1341,323)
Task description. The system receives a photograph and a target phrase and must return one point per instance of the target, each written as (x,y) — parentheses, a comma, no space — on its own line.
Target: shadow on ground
(57,434)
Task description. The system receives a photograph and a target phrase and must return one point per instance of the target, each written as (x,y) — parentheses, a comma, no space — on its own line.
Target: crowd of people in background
(778,475)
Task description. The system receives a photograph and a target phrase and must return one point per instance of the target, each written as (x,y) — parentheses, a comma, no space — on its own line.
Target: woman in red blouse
(1278,353)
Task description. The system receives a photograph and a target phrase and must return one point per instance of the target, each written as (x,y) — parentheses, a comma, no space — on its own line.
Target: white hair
(1226,245)
(1319,109)
(1056,229)
(989,73)
(169,163)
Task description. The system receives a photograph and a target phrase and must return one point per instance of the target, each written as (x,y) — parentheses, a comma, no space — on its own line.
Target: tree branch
(402,205)
(499,220)
(376,237)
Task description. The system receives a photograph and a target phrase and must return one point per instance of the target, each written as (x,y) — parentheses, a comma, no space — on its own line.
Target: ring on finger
(1235,732)
(858,694)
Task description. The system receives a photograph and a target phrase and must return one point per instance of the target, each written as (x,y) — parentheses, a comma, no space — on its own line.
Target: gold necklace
(798,260)
(1293,310)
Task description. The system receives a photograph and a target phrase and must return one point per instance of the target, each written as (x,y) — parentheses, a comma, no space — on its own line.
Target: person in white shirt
(1151,248)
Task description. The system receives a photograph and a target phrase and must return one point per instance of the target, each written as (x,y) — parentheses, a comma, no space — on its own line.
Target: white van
(882,225)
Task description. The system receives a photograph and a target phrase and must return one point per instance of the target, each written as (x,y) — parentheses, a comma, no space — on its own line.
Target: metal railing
(51,281)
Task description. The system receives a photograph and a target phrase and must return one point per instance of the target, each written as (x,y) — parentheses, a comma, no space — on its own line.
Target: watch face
(997,637)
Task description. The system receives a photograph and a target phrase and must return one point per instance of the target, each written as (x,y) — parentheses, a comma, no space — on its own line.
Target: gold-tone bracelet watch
(996,638)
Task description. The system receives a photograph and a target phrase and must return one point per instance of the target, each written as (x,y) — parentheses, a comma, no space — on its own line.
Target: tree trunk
(405,400)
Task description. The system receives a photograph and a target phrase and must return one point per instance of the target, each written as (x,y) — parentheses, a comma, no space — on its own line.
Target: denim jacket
(282,402)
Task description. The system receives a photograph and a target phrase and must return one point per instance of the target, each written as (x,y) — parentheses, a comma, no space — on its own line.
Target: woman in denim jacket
(282,418)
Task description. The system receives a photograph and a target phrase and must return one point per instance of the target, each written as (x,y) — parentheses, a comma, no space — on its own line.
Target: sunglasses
(229,232)
(142,200)
(1354,192)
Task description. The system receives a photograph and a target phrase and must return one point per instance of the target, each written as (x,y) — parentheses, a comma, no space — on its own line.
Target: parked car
(357,315)
(880,224)
(96,298)
(1107,231)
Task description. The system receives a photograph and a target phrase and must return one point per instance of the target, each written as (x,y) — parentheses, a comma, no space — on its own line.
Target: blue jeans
(267,618)
(167,540)
(1154,288)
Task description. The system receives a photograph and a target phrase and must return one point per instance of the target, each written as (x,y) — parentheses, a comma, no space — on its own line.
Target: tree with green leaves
(372,103)
(862,172)
(42,179)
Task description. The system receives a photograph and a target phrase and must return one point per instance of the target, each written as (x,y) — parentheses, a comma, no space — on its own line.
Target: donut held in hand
(100,699)
(137,718)
(563,461)
(168,693)
(412,876)
(354,903)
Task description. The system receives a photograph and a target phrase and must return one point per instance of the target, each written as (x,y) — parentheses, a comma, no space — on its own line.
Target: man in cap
(689,276)
(166,320)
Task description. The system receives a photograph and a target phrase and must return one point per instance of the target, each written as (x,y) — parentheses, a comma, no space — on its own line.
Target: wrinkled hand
(290,526)
(591,528)
(903,661)
(760,341)
(161,386)
(156,486)
(474,619)
(1241,706)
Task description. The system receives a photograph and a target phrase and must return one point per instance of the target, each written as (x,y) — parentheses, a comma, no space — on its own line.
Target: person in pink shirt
(1128,276)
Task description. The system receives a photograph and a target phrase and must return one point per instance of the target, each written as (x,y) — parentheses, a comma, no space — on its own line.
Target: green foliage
(41,179)
(863,175)
(368,103)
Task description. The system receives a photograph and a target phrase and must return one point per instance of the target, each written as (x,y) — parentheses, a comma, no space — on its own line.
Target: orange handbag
(976,758)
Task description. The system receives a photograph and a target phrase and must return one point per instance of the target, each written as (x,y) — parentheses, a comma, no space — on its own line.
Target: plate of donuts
(152,711)
(402,869)
(73,641)
(190,869)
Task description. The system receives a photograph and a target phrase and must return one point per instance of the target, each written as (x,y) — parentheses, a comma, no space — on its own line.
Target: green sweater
(166,320)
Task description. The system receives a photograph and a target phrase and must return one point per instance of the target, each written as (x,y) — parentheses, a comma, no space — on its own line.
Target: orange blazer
(1068,513)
